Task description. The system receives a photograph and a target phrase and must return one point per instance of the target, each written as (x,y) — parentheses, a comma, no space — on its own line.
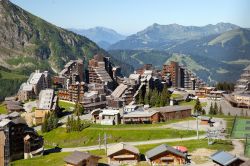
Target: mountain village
(77,99)
(167,95)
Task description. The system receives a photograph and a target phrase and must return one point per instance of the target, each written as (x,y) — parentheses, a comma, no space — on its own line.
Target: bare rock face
(25,38)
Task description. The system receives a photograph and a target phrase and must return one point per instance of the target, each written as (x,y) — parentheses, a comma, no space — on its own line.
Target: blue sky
(130,16)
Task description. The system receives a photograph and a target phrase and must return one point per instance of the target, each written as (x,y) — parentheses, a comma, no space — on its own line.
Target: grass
(176,96)
(192,103)
(90,136)
(65,105)
(56,159)
(11,75)
(3,109)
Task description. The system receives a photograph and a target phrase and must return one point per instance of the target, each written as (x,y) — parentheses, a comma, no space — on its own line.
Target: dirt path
(238,149)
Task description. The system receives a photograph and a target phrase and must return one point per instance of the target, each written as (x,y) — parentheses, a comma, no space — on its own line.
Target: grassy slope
(89,136)
(10,83)
(3,109)
(65,104)
(56,159)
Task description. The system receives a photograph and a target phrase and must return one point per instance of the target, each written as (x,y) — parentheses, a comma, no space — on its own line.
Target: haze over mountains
(104,37)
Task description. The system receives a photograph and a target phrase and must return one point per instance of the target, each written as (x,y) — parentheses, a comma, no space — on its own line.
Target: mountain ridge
(161,37)
(103,36)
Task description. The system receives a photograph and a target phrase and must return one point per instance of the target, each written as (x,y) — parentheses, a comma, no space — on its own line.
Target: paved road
(96,147)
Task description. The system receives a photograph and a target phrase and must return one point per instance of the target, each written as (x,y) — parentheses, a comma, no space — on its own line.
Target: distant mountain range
(164,37)
(104,37)
(215,52)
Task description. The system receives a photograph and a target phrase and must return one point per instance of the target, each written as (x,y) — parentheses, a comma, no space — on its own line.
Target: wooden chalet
(123,154)
(81,159)
(166,155)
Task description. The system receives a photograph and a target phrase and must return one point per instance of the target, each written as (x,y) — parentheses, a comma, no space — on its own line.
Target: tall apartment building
(47,102)
(243,84)
(180,76)
(36,82)
(72,73)
(100,70)
(74,93)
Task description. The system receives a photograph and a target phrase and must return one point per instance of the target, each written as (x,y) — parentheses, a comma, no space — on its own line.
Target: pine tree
(153,98)
(68,124)
(211,109)
(79,110)
(141,97)
(203,112)
(198,107)
(45,124)
(220,110)
(165,97)
(215,108)
(146,98)
(55,120)
(79,125)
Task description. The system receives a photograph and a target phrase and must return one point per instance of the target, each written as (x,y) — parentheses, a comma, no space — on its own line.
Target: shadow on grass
(102,164)
(52,150)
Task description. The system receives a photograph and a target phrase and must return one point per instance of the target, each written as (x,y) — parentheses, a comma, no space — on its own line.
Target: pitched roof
(4,122)
(76,157)
(120,146)
(163,148)
(223,158)
(119,91)
(14,114)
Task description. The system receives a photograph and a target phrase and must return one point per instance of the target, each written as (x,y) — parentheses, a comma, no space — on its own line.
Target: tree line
(50,122)
(225,86)
(75,124)
(154,98)
(215,110)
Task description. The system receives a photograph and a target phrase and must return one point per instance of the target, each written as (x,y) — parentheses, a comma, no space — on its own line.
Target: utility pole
(105,142)
(197,127)
(99,141)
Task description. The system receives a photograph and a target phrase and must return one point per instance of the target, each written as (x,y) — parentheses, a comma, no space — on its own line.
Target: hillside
(28,42)
(104,37)
(209,69)
(228,46)
(165,36)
